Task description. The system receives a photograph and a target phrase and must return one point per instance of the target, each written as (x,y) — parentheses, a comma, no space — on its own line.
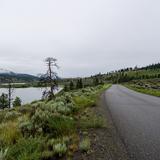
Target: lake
(27,95)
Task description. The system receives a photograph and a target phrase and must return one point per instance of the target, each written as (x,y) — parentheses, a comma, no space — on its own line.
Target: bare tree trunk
(10,91)
(9,96)
(50,77)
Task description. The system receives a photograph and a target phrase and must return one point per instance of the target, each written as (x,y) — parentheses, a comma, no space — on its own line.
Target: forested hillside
(119,76)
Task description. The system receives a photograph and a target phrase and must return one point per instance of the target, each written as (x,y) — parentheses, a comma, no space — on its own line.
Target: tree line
(50,81)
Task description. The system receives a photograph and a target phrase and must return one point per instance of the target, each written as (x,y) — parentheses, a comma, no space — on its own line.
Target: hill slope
(6,76)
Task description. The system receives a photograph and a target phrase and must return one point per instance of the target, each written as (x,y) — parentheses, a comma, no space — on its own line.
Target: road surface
(137,119)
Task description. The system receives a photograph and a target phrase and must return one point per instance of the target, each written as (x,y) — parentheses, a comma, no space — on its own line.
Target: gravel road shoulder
(106,143)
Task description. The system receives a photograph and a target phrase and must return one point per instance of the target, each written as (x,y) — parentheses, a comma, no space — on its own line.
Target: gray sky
(86,36)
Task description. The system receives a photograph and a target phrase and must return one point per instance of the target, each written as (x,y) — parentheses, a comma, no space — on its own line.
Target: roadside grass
(150,91)
(90,120)
(50,129)
(84,99)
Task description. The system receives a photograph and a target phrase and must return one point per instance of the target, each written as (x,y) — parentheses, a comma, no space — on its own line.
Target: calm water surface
(27,95)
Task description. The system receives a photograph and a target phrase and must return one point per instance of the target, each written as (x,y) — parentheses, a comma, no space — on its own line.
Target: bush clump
(11,115)
(60,149)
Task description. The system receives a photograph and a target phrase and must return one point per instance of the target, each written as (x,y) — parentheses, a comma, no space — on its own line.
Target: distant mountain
(4,71)
(6,75)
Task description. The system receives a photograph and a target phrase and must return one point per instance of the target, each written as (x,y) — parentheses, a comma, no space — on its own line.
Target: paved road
(137,118)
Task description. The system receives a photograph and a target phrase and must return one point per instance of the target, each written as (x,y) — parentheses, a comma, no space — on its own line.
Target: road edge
(120,150)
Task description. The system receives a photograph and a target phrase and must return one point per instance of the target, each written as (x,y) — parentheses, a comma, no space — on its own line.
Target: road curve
(137,119)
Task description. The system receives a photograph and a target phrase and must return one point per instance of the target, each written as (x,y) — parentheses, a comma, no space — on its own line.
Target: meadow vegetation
(47,129)
(149,86)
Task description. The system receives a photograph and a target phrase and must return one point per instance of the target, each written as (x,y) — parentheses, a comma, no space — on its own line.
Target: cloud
(86,37)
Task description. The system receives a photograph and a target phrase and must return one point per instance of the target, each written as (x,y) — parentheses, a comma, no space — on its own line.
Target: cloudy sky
(86,36)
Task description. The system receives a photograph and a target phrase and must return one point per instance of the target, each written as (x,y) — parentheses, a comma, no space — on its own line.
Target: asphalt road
(137,119)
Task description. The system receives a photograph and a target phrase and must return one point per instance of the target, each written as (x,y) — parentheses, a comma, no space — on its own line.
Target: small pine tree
(3,101)
(66,88)
(79,84)
(17,102)
(96,81)
(71,85)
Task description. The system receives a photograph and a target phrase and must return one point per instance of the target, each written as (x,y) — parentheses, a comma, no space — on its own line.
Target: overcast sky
(86,36)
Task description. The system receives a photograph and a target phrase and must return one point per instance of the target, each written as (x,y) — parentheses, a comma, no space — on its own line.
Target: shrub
(84,90)
(59,99)
(27,128)
(17,102)
(85,145)
(72,107)
(50,107)
(38,104)
(68,97)
(11,115)
(60,149)
(63,110)
(56,146)
(40,119)
(52,142)
(61,107)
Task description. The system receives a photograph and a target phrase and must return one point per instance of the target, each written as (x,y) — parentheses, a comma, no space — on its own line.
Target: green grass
(83,101)
(90,120)
(85,98)
(150,87)
(25,149)
(145,91)
(9,133)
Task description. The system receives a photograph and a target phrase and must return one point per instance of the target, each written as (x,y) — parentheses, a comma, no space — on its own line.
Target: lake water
(27,95)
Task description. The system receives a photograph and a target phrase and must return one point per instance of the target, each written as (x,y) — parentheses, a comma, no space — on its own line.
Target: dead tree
(10,92)
(49,80)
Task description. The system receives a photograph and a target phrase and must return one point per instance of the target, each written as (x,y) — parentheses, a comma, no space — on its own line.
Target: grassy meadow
(148,86)
(55,129)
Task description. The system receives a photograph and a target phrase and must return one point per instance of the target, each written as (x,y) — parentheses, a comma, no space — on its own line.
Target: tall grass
(9,133)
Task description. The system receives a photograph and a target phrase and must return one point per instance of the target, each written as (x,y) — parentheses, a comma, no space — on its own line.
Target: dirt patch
(105,142)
